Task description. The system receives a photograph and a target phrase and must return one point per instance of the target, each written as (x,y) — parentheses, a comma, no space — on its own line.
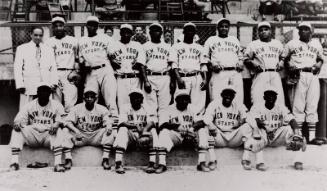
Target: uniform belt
(305,69)
(270,70)
(65,69)
(157,73)
(98,67)
(189,74)
(127,75)
(228,68)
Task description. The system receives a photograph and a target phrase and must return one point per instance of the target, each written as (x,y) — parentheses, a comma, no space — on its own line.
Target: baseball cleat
(212,165)
(261,167)
(316,141)
(202,167)
(119,169)
(150,168)
(298,166)
(59,168)
(14,166)
(68,164)
(105,164)
(161,168)
(246,164)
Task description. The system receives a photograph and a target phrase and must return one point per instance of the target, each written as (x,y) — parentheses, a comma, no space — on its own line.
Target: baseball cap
(58,19)
(189,24)
(156,25)
(136,90)
(43,85)
(270,90)
(182,92)
(126,26)
(223,20)
(229,90)
(92,19)
(305,24)
(90,89)
(264,24)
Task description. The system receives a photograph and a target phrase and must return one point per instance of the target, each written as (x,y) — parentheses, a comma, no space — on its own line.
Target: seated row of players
(226,123)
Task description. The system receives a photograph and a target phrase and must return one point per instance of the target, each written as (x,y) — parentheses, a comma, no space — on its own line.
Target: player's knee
(122,130)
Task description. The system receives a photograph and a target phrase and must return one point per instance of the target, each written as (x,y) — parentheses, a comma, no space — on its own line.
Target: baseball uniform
(65,51)
(226,53)
(267,55)
(189,60)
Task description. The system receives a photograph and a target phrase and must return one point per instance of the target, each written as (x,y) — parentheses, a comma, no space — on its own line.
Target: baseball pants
(124,87)
(306,98)
(66,92)
(262,81)
(24,99)
(234,138)
(219,81)
(198,97)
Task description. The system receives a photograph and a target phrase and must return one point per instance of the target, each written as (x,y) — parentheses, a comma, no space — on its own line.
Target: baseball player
(34,63)
(224,55)
(159,61)
(276,126)
(93,52)
(264,58)
(177,122)
(136,124)
(304,55)
(37,124)
(128,58)
(88,123)
(226,120)
(191,73)
(65,50)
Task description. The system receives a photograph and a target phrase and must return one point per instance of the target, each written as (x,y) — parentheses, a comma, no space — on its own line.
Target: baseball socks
(162,152)
(105,157)
(118,158)
(152,161)
(312,135)
(202,161)
(246,162)
(260,161)
(14,158)
(59,167)
(212,155)
(68,158)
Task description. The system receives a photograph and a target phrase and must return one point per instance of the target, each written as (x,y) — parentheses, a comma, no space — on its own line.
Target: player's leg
(300,100)
(167,139)
(150,99)
(164,96)
(259,84)
(237,81)
(276,82)
(260,162)
(24,99)
(16,144)
(124,87)
(216,85)
(70,94)
(203,145)
(67,144)
(152,151)
(108,87)
(198,97)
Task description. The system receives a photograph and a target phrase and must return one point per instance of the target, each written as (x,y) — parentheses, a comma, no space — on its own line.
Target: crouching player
(277,127)
(177,123)
(88,123)
(136,128)
(226,120)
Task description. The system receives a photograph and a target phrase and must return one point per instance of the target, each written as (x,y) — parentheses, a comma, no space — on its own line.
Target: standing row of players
(117,68)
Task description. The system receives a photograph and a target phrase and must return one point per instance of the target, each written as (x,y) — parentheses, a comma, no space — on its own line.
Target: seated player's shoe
(119,168)
(150,168)
(59,168)
(202,167)
(68,164)
(261,167)
(316,141)
(14,166)
(298,166)
(246,164)
(212,165)
(105,164)
(161,168)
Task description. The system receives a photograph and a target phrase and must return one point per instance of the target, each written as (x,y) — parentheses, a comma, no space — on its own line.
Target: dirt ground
(175,179)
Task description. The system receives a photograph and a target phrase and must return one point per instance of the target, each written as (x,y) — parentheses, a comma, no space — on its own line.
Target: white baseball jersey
(303,54)
(189,57)
(173,115)
(89,121)
(140,118)
(127,55)
(65,50)
(225,52)
(266,54)
(158,55)
(34,114)
(225,118)
(274,118)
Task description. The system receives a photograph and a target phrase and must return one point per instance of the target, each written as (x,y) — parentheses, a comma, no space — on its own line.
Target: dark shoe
(261,167)
(316,141)
(161,168)
(37,165)
(119,169)
(14,166)
(246,164)
(150,168)
(59,168)
(212,165)
(68,164)
(202,167)
(105,164)
(298,166)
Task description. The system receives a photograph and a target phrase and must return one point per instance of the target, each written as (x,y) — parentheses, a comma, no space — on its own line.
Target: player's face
(138,30)
(189,33)
(92,28)
(90,98)
(168,37)
(270,98)
(155,34)
(58,29)
(182,103)
(304,33)
(227,99)
(136,101)
(37,36)
(43,94)
(223,29)
(125,35)
(109,32)
(264,33)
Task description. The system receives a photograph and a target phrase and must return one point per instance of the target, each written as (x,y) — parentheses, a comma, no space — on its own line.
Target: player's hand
(115,65)
(203,85)
(147,87)
(216,68)
(53,130)
(181,84)
(109,131)
(258,69)
(17,127)
(79,136)
(315,70)
(40,129)
(239,68)
(182,130)
(213,132)
(54,87)
(21,90)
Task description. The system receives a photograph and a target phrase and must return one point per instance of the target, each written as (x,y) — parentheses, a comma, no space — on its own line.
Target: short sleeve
(209,114)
